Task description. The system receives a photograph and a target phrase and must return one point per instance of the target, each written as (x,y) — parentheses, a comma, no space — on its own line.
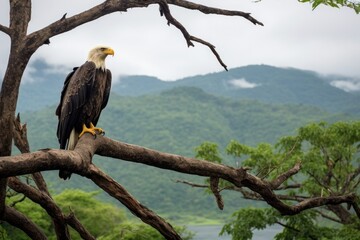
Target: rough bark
(79,161)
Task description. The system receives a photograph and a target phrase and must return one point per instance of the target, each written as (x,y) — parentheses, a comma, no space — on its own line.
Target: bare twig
(5,30)
(211,10)
(164,8)
(192,184)
(212,48)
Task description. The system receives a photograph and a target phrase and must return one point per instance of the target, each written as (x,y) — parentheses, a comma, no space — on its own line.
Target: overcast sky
(326,40)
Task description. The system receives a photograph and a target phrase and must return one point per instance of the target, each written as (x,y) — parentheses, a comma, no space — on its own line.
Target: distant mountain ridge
(259,82)
(176,121)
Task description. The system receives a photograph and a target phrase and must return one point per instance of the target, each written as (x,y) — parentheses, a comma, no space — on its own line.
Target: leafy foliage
(354,4)
(139,231)
(104,220)
(330,167)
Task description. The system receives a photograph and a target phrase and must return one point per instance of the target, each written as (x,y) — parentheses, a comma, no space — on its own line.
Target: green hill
(256,82)
(176,121)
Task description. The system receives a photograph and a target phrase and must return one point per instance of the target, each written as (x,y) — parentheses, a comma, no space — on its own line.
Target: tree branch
(5,29)
(212,48)
(22,143)
(79,160)
(211,10)
(214,186)
(328,217)
(74,222)
(164,9)
(45,202)
(20,221)
(275,184)
(117,191)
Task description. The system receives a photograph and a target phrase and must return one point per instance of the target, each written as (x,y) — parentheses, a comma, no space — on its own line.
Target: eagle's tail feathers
(70,146)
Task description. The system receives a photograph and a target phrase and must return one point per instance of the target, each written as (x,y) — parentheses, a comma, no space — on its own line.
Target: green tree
(328,159)
(105,220)
(354,4)
(102,218)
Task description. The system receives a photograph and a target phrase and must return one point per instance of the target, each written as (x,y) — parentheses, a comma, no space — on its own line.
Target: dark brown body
(85,93)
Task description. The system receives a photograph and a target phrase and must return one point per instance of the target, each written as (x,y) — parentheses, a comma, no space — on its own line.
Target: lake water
(211,232)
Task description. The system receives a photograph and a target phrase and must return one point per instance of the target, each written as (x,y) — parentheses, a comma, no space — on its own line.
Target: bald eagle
(85,93)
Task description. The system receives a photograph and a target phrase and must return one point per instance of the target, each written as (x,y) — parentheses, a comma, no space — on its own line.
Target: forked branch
(79,161)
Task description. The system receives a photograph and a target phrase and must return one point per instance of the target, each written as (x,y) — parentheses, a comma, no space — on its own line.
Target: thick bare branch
(46,202)
(74,222)
(214,186)
(119,192)
(79,160)
(19,220)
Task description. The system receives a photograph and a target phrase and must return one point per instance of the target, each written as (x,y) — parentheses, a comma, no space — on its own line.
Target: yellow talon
(92,130)
(100,131)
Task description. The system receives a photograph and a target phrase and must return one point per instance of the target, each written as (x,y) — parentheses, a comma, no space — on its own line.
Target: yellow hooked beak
(109,51)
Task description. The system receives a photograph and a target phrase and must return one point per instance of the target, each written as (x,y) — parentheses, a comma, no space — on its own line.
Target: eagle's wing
(106,95)
(77,88)
(107,89)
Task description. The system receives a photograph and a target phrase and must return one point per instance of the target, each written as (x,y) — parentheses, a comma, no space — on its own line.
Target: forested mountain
(258,82)
(176,121)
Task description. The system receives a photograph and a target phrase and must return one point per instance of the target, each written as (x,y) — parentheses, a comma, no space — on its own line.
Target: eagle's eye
(102,49)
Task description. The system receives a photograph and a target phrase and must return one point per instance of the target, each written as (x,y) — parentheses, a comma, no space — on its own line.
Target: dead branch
(43,197)
(79,161)
(214,186)
(22,143)
(5,29)
(74,222)
(211,10)
(212,48)
(19,220)
(46,202)
(164,8)
(117,191)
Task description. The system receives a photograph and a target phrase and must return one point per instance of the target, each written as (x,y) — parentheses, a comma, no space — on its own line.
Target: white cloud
(323,40)
(347,85)
(242,83)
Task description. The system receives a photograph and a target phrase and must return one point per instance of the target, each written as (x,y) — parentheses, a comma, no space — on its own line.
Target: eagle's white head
(98,55)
